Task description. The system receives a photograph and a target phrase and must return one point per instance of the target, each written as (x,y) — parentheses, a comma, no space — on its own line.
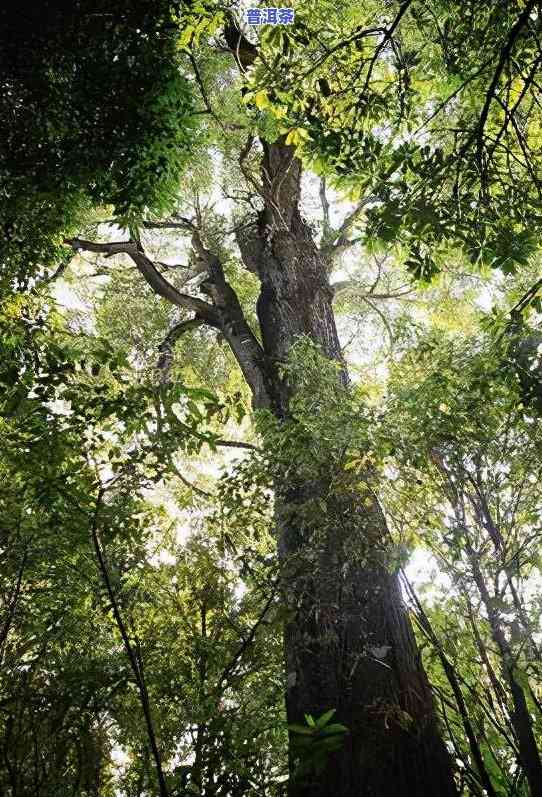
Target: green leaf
(301,729)
(324,719)
(335,728)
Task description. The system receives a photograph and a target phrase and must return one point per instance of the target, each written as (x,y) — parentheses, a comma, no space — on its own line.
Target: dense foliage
(433,109)
(149,490)
(95,111)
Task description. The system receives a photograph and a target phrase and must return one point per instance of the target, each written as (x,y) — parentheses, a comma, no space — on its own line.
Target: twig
(131,653)
(387,35)
(505,54)
(246,642)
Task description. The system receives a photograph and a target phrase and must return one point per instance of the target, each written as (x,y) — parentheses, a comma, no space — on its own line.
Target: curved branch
(352,285)
(225,313)
(59,271)
(384,320)
(387,36)
(185,481)
(158,283)
(339,238)
(166,347)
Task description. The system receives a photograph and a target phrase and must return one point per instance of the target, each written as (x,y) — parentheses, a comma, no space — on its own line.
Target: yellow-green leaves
(199,23)
(296,136)
(261,99)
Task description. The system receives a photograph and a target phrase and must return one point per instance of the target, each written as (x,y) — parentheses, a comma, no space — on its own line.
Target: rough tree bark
(348,641)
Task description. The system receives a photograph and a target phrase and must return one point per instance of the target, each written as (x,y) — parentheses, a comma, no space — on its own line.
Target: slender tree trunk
(132,652)
(349,643)
(449,669)
(520,717)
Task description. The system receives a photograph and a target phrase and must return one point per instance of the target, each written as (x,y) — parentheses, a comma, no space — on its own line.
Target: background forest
(271,399)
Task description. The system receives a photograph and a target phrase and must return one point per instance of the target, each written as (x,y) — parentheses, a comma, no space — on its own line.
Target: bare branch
(59,271)
(341,240)
(185,481)
(172,265)
(236,444)
(243,155)
(325,208)
(158,283)
(354,287)
(171,224)
(384,320)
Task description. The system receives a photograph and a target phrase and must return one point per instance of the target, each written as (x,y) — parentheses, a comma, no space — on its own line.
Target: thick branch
(225,313)
(243,342)
(158,283)
(170,224)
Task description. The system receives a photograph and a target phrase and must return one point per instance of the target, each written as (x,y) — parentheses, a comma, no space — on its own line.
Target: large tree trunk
(348,640)
(349,644)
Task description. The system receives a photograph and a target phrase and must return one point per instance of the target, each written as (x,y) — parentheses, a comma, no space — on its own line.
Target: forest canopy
(271,399)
